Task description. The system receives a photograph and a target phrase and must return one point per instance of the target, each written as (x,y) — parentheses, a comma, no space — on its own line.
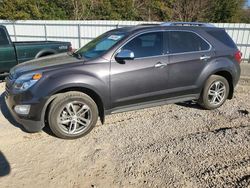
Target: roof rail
(200,24)
(148,24)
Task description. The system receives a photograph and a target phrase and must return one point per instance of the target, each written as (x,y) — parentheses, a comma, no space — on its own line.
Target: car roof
(193,26)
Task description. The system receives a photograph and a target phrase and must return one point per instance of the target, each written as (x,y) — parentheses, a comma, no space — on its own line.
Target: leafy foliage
(225,10)
(148,10)
(245,17)
(30,9)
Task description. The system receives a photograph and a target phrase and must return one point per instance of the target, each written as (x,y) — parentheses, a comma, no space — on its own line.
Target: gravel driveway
(177,145)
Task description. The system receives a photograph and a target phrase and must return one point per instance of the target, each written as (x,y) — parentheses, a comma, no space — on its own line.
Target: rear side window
(146,45)
(184,41)
(223,37)
(3,37)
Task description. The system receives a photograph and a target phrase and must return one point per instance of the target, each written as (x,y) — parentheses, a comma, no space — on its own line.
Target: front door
(146,77)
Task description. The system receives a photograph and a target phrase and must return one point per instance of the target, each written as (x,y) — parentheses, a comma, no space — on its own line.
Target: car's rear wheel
(215,92)
(72,115)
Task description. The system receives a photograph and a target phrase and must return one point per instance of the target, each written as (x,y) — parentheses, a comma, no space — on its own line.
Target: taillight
(238,56)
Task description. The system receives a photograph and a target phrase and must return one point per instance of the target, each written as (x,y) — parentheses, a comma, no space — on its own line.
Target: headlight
(25,81)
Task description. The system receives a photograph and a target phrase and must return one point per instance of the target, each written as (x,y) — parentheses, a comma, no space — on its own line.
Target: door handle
(205,57)
(160,65)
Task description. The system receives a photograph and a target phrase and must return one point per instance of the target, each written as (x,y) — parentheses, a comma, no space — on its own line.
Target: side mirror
(124,55)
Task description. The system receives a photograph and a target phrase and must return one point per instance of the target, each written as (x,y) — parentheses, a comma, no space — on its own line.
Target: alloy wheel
(216,93)
(74,118)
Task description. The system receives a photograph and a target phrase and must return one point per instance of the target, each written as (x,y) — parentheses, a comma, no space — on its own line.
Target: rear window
(223,37)
(3,37)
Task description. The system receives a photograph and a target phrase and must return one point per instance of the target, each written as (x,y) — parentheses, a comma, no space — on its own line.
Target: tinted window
(223,37)
(182,41)
(3,37)
(146,45)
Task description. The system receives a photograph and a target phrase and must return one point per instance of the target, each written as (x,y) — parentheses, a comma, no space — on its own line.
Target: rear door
(188,55)
(7,52)
(144,78)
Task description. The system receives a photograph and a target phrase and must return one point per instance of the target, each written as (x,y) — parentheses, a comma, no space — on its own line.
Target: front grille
(7,88)
(6,94)
(9,80)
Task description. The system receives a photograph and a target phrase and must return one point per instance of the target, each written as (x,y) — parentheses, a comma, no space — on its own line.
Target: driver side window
(146,45)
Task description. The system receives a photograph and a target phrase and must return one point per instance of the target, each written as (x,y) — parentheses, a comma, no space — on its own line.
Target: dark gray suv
(124,69)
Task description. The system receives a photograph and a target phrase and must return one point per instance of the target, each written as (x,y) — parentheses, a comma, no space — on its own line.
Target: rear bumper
(29,124)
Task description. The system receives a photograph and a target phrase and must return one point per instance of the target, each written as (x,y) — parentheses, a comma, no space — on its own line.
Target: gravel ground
(177,145)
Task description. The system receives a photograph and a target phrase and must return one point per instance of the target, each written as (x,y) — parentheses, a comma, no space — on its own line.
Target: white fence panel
(81,32)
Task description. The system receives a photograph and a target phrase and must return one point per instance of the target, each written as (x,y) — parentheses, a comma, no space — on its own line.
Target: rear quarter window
(223,37)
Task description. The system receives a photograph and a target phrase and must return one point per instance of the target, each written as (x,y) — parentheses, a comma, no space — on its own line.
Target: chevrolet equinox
(124,69)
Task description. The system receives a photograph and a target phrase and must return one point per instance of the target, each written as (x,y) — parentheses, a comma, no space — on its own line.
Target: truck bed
(13,53)
(27,50)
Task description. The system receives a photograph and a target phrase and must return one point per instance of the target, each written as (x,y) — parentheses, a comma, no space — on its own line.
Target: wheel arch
(228,76)
(94,95)
(224,67)
(45,52)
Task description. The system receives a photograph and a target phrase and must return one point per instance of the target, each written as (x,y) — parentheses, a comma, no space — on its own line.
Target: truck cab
(8,57)
(13,53)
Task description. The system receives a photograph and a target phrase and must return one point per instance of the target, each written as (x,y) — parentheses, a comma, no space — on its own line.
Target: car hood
(44,63)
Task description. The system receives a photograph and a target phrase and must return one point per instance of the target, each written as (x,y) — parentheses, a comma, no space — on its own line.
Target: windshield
(100,45)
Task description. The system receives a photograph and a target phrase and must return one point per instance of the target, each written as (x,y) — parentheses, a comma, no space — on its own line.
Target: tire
(72,115)
(213,96)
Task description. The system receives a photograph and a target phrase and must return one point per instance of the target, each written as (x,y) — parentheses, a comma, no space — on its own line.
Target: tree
(245,17)
(30,9)
(225,11)
(207,10)
(148,10)
(17,9)
(123,10)
(142,10)
(189,10)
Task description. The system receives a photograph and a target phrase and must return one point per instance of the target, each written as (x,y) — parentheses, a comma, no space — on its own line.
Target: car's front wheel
(72,115)
(215,92)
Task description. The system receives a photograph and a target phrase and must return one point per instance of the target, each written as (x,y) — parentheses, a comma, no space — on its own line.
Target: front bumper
(31,124)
